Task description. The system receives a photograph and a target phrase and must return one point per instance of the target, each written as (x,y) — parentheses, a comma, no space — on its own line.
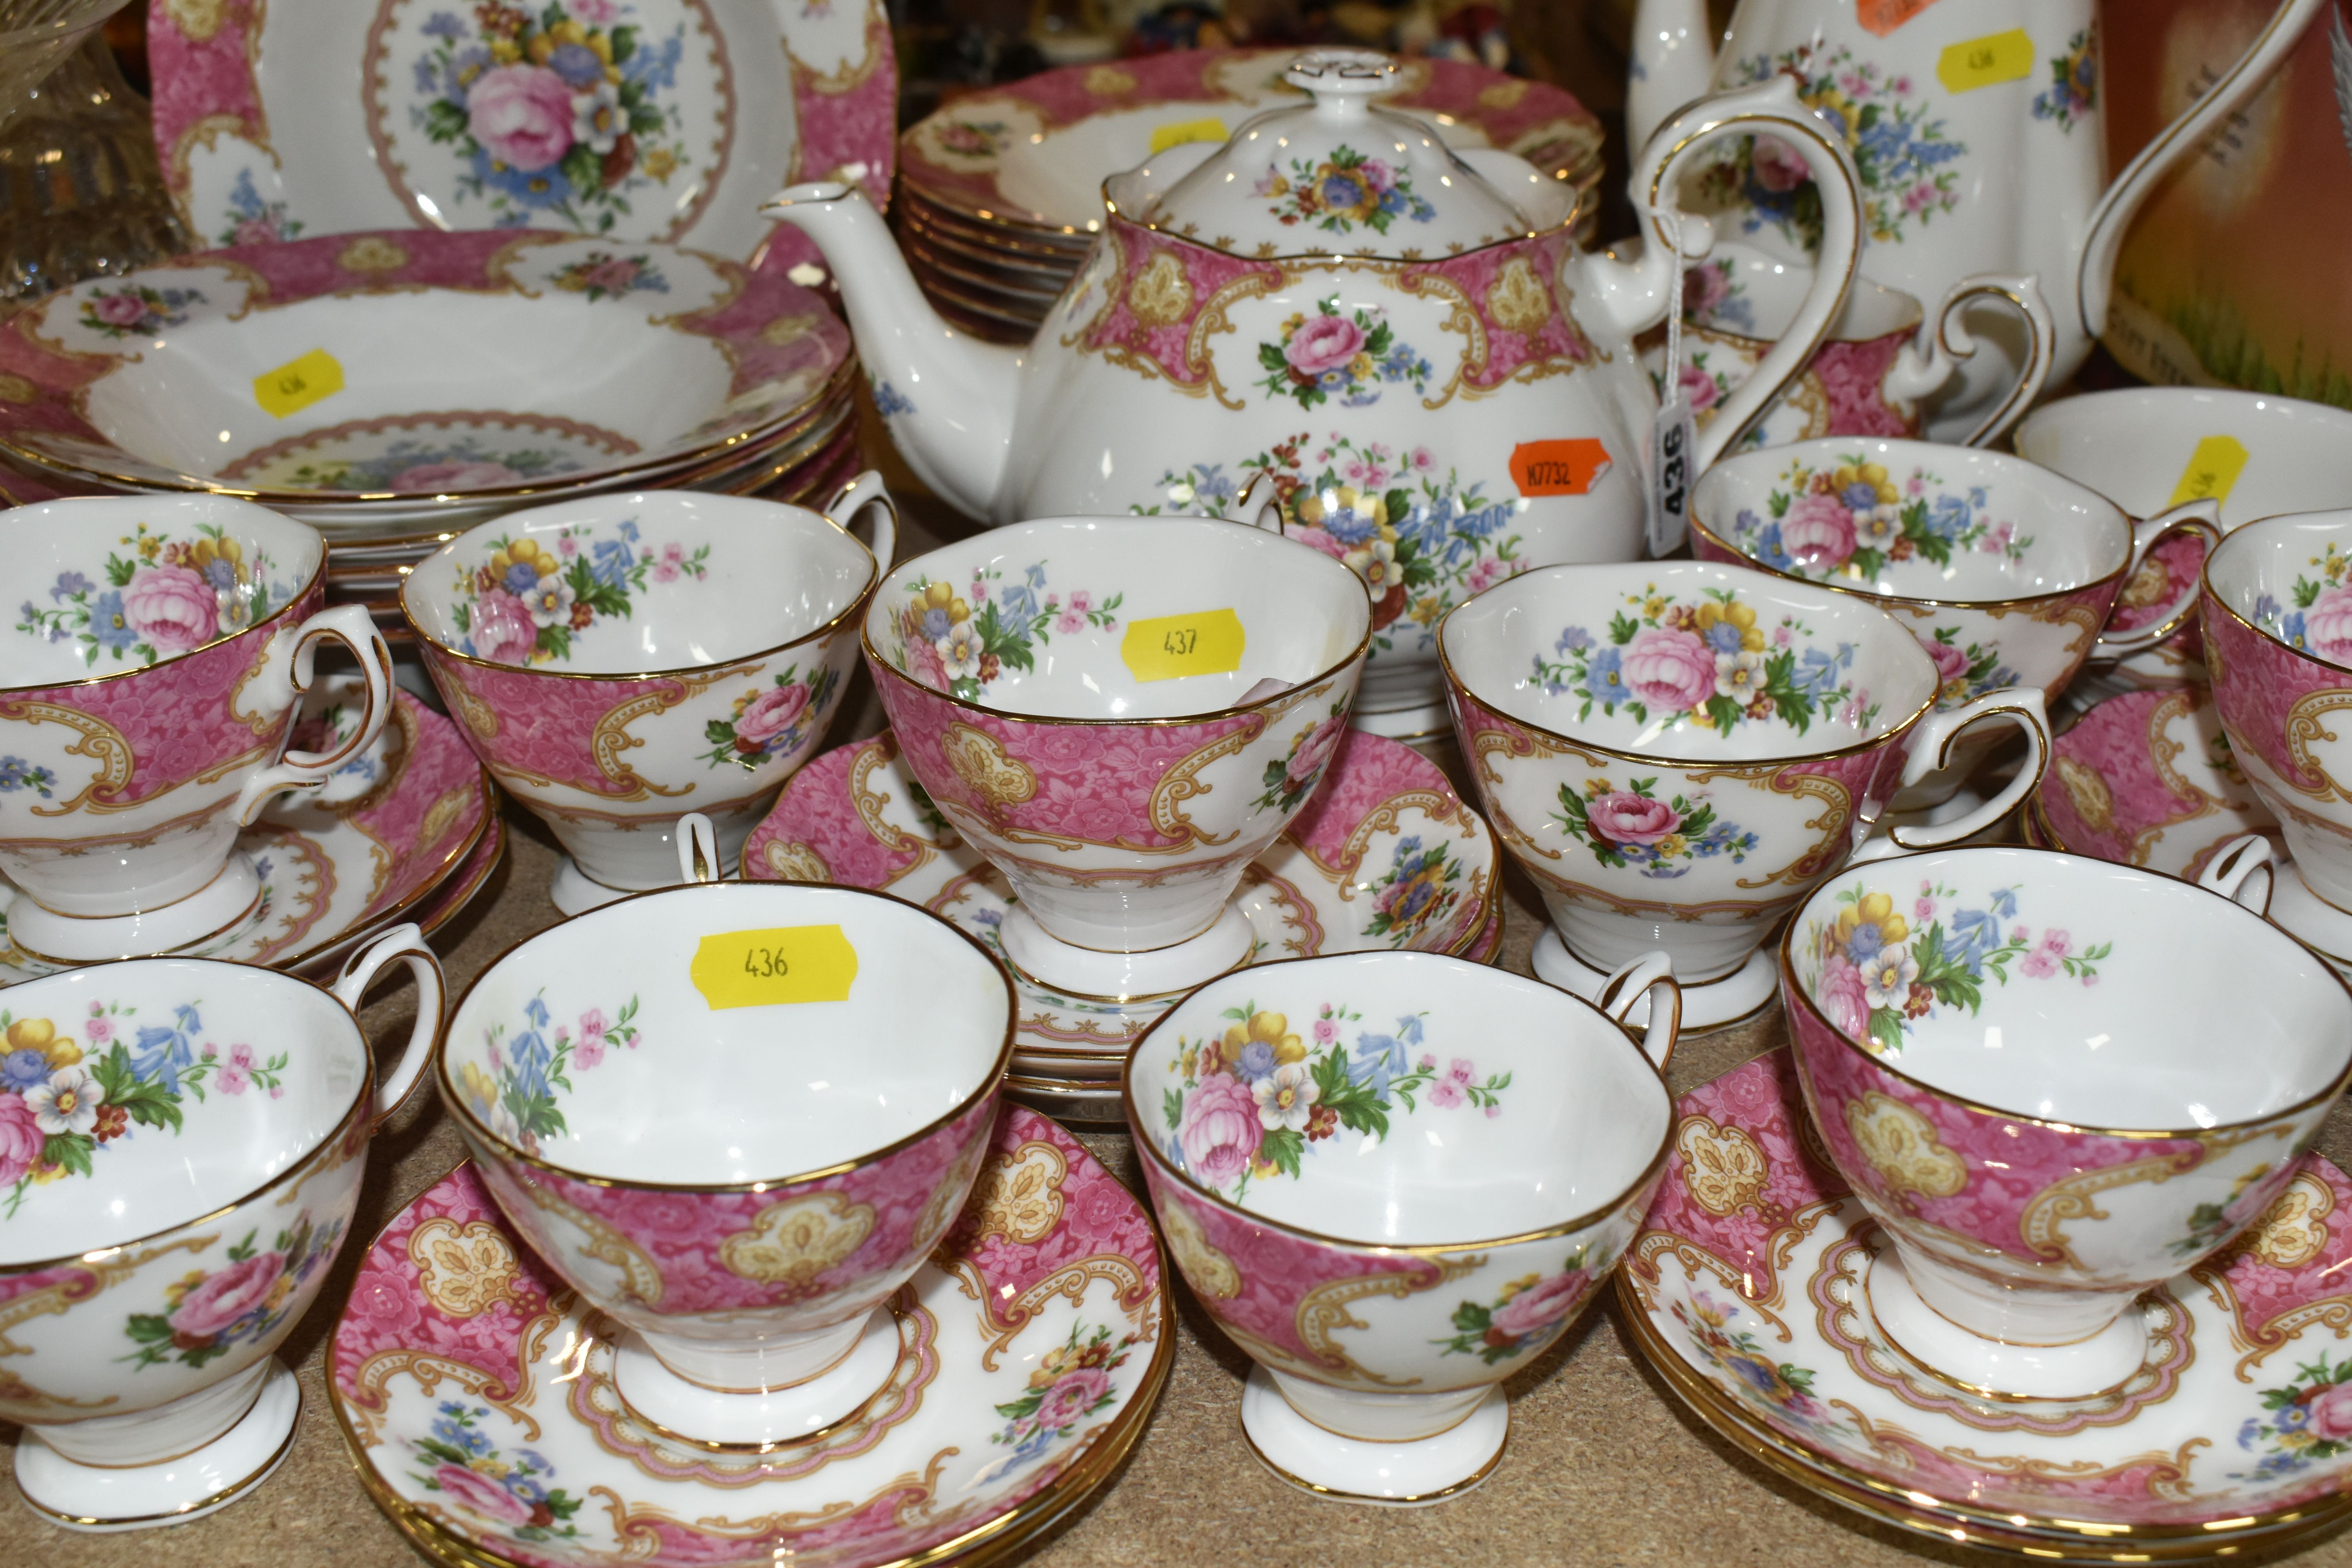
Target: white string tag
(1674,437)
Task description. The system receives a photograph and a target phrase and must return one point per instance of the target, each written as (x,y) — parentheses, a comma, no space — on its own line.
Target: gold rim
(1650,1171)
(1339,1494)
(876,662)
(472,1125)
(985,1543)
(1791,986)
(220,1499)
(2205,590)
(1564,228)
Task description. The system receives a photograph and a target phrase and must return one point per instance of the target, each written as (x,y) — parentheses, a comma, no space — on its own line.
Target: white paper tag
(1673,439)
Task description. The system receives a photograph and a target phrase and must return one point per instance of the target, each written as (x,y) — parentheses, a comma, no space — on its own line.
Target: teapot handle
(1934,357)
(2104,240)
(1767,108)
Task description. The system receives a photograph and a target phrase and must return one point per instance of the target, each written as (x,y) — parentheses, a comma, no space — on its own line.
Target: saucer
(478,1396)
(1385,856)
(2145,779)
(1750,1292)
(408,825)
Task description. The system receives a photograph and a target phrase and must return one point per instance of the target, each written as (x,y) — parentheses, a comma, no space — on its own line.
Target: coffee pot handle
(286,673)
(1934,357)
(2202,517)
(407,945)
(1651,976)
(866,491)
(2232,873)
(697,851)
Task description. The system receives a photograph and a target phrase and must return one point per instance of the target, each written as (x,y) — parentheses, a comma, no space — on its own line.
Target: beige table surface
(1605,1466)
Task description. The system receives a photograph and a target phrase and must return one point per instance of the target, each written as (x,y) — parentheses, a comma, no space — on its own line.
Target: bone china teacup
(1120,714)
(619,661)
(2057,1082)
(842,1052)
(150,682)
(2006,573)
(180,1148)
(1394,1179)
(2277,615)
(1677,752)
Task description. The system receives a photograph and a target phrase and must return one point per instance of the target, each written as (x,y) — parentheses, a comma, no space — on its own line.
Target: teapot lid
(1335,176)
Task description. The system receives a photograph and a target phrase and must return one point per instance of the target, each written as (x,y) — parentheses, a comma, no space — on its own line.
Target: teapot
(1976,128)
(1395,353)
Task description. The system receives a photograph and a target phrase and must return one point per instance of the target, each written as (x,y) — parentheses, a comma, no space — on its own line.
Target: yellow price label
(1207,642)
(2212,469)
(780,964)
(298,384)
(1982,62)
(1168,136)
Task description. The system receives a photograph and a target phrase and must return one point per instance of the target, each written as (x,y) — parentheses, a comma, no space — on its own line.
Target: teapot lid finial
(1342,73)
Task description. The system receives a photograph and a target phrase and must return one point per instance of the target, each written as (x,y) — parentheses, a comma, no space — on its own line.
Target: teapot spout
(1672,63)
(2104,239)
(947,395)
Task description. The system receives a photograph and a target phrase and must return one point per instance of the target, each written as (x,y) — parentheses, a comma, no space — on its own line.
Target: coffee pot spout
(948,396)
(1673,62)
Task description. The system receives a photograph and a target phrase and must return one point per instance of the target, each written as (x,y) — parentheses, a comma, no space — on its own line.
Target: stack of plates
(1000,194)
(392,388)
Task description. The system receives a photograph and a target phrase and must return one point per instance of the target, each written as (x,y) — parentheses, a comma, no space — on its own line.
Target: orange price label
(1883,16)
(1569,468)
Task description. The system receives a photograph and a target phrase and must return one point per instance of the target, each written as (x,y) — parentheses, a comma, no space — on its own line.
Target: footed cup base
(2089,1366)
(1094,976)
(1412,1474)
(574,892)
(228,898)
(1707,1005)
(100,1498)
(753,1418)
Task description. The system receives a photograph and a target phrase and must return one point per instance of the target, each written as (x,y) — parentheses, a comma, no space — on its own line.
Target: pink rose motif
(124,309)
(1069,1399)
(1699,388)
(566,546)
(1704,288)
(21,1139)
(1326,342)
(504,632)
(173,608)
(521,114)
(1446,1093)
(99,1030)
(1841,996)
(613,275)
(1070,621)
(1670,670)
(2331,1413)
(1622,817)
(1950,662)
(256,231)
(1818,532)
(228,1294)
(1542,1305)
(592,1024)
(232,1080)
(1081,601)
(1219,1130)
(1325,1031)
(772,712)
(2327,624)
(441,479)
(1308,759)
(588,1053)
(1777,168)
(1324,539)
(1489,571)
(479,1494)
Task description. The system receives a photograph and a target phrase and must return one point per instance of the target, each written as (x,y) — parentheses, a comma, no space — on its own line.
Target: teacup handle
(1934,357)
(286,673)
(2199,517)
(406,943)
(1930,746)
(866,491)
(1651,976)
(697,851)
(2231,873)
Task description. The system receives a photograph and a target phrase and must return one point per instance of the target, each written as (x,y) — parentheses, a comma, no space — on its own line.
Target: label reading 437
(780,964)
(1207,642)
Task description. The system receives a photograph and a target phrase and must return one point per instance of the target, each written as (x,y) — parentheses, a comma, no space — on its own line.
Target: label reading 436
(780,964)
(298,384)
(1207,642)
(2211,472)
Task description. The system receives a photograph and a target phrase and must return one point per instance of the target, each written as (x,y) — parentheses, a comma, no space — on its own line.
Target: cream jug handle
(2231,873)
(2104,239)
(405,944)
(1932,359)
(697,851)
(1770,108)
(1652,976)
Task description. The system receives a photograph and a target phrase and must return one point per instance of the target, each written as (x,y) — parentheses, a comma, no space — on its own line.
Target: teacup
(2008,574)
(620,660)
(181,1147)
(1120,714)
(1873,367)
(1394,1180)
(2014,1058)
(2278,641)
(1677,752)
(151,684)
(2149,448)
(842,1051)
